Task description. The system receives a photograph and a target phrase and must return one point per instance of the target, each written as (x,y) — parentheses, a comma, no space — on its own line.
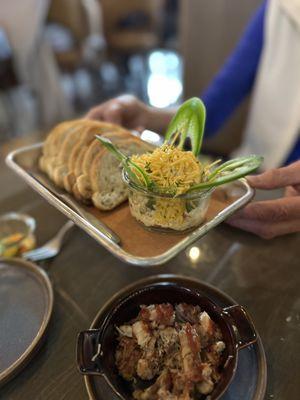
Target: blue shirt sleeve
(235,80)
(295,154)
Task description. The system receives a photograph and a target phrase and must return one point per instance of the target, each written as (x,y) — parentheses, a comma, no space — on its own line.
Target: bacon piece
(207,325)
(163,383)
(125,330)
(145,369)
(181,387)
(190,348)
(148,365)
(206,386)
(187,312)
(208,330)
(127,356)
(142,333)
(164,394)
(168,340)
(214,352)
(159,314)
(213,356)
(174,361)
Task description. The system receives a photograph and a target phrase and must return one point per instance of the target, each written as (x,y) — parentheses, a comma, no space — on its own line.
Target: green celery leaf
(230,171)
(189,121)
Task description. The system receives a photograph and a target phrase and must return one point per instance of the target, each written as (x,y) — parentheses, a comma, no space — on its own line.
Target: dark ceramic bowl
(96,347)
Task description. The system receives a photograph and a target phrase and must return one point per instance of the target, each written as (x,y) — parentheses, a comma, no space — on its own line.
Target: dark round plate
(250,379)
(26,302)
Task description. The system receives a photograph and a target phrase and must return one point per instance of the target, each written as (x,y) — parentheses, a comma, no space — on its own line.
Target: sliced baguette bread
(59,167)
(53,143)
(76,161)
(108,188)
(79,151)
(82,188)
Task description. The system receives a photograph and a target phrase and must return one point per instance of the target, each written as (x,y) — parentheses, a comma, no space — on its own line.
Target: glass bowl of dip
(164,212)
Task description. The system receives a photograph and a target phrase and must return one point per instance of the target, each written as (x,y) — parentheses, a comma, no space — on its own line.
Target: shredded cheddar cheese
(173,171)
(167,210)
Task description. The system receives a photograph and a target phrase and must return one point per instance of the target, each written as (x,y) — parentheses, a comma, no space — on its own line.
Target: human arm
(130,112)
(236,78)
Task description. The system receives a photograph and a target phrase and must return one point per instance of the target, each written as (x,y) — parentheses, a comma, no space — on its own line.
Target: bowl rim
(204,193)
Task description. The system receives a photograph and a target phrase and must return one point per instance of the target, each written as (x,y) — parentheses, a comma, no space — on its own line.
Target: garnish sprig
(189,121)
(230,171)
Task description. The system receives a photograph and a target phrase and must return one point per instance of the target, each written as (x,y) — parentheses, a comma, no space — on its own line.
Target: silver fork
(51,248)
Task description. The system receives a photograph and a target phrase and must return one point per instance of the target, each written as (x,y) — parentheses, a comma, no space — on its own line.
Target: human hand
(130,112)
(272,218)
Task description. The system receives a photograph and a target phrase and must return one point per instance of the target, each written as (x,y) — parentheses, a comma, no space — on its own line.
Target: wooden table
(262,275)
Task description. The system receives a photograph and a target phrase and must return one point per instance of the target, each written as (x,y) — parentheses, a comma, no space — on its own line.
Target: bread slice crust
(75,160)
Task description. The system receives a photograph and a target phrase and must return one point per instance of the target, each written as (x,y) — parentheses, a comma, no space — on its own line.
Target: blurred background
(60,57)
